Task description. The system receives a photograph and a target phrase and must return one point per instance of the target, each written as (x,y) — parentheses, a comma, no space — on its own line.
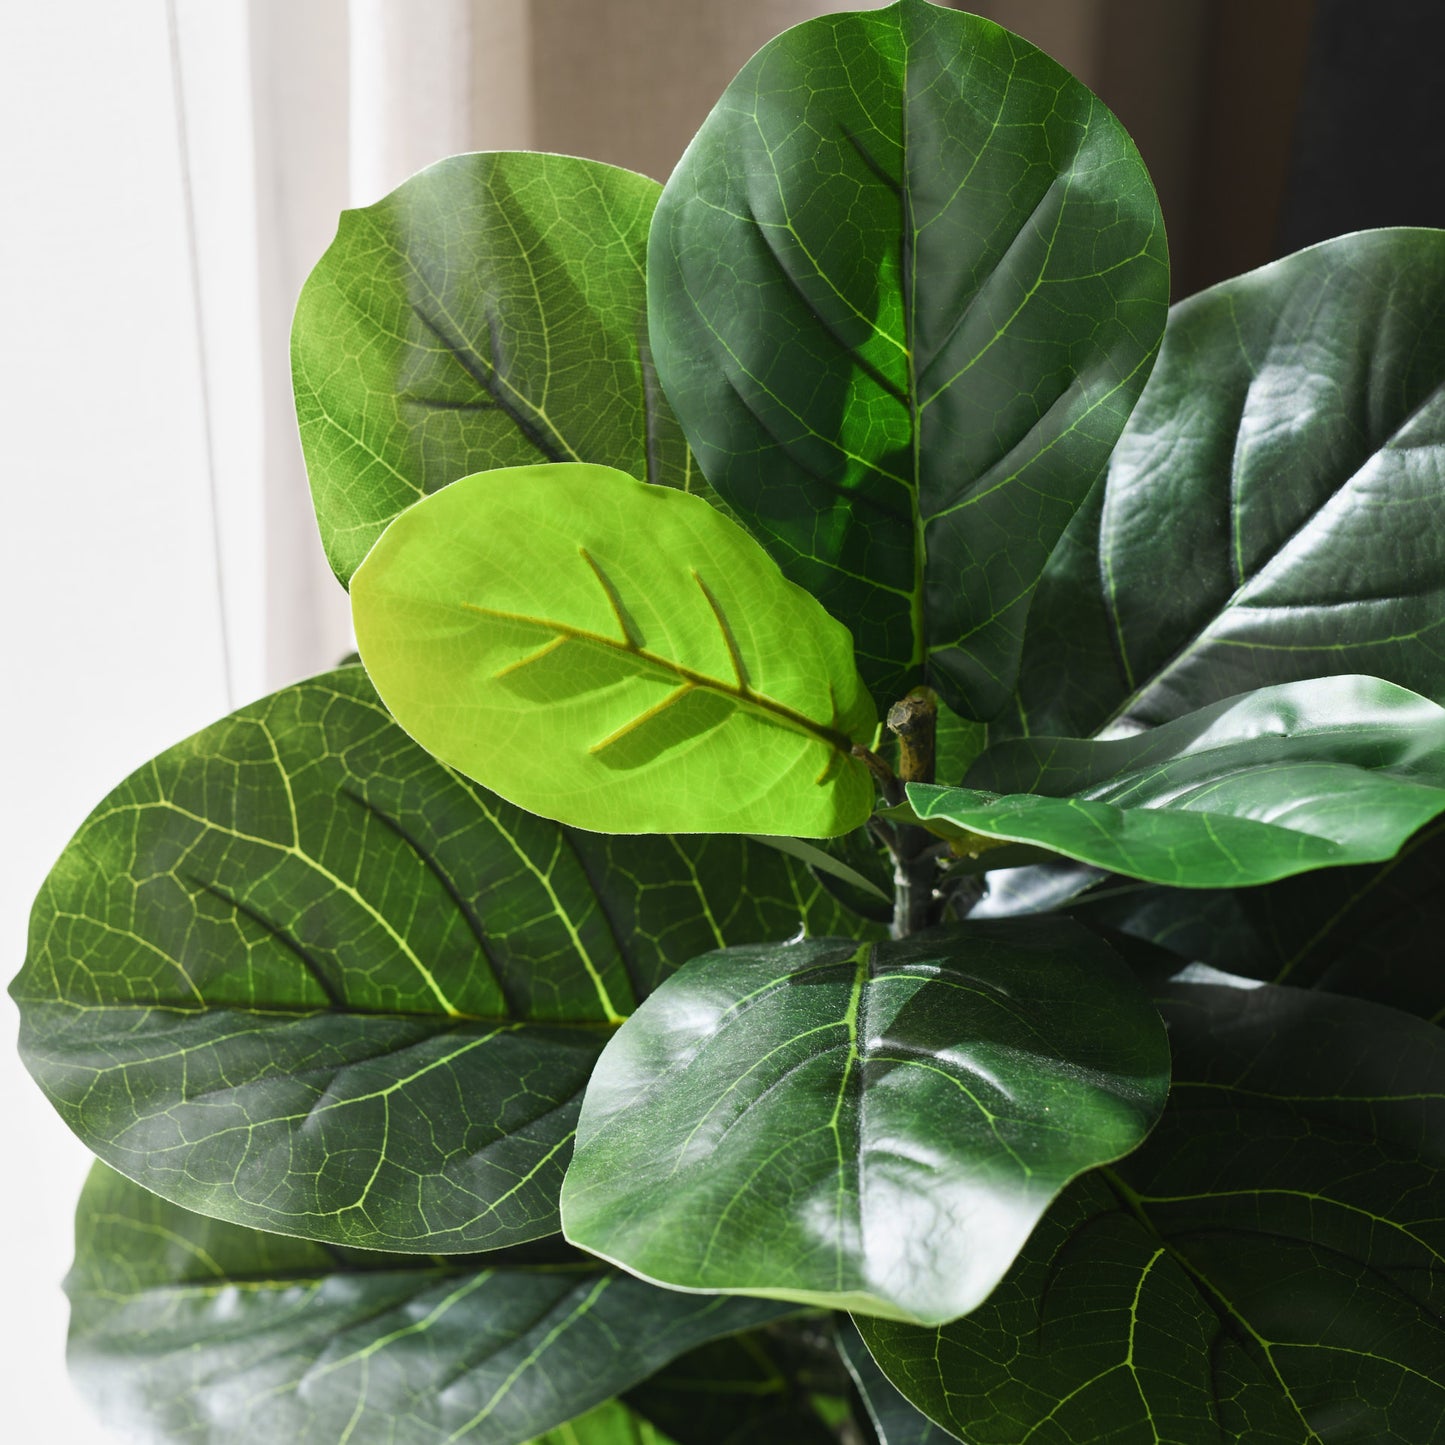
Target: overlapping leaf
(766,1387)
(490,312)
(296,974)
(1272,510)
(1305,775)
(194,1331)
(904,288)
(617,656)
(895,1421)
(1270,1266)
(875,1127)
(1371,932)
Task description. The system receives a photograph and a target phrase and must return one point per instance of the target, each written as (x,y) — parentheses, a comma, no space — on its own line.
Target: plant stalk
(914,721)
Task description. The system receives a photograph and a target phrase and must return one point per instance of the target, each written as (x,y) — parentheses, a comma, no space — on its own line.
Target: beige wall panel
(630,81)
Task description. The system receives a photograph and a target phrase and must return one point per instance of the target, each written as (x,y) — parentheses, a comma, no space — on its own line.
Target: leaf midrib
(770,707)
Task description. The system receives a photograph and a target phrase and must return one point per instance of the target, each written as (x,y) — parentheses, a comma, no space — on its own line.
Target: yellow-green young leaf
(615,656)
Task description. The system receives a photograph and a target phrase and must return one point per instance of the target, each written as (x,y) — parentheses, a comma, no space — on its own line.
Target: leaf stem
(914,721)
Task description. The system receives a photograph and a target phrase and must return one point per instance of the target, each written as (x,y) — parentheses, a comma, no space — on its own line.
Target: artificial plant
(828,822)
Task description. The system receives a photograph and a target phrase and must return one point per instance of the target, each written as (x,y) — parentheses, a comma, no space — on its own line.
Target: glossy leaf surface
(1272,510)
(875,1127)
(296,974)
(904,288)
(1371,932)
(895,1420)
(1279,781)
(1267,1268)
(188,1329)
(489,312)
(616,656)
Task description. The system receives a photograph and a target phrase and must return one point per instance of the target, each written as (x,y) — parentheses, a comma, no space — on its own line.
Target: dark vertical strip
(1367,148)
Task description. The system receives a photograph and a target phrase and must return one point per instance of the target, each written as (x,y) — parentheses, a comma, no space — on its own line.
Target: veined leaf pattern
(616,656)
(296,974)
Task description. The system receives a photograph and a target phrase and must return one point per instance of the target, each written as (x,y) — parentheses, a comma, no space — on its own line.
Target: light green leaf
(1272,510)
(490,312)
(617,656)
(872,1128)
(612,1423)
(1305,775)
(1269,1268)
(189,1330)
(296,974)
(904,288)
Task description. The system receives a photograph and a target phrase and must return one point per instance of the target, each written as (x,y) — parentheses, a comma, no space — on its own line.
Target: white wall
(110,646)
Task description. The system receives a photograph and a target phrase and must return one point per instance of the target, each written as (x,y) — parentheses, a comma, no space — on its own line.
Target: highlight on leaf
(1258,787)
(615,656)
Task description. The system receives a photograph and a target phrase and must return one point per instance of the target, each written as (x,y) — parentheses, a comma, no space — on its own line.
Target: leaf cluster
(878,878)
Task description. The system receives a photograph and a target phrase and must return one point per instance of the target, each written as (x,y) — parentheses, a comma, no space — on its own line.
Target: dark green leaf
(1372,932)
(187,1329)
(1305,775)
(615,656)
(959,742)
(904,288)
(894,1419)
(875,1127)
(1270,1267)
(1272,511)
(296,974)
(756,1388)
(490,312)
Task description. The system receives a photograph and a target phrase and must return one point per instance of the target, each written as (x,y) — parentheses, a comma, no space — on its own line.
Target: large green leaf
(875,1127)
(296,974)
(190,1330)
(1305,775)
(618,656)
(1372,932)
(490,312)
(1272,510)
(1270,1267)
(904,288)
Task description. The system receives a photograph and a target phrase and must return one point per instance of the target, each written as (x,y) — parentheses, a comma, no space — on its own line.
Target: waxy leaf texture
(189,1330)
(296,974)
(1276,782)
(1272,511)
(875,1128)
(904,288)
(1269,1267)
(489,312)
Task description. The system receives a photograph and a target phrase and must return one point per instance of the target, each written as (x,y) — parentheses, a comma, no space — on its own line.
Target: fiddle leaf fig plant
(878,877)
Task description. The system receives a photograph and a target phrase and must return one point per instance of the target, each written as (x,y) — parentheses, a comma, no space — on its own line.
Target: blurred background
(173,168)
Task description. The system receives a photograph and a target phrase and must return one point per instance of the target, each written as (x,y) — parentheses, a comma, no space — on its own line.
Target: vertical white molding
(411,90)
(110,649)
(214,99)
